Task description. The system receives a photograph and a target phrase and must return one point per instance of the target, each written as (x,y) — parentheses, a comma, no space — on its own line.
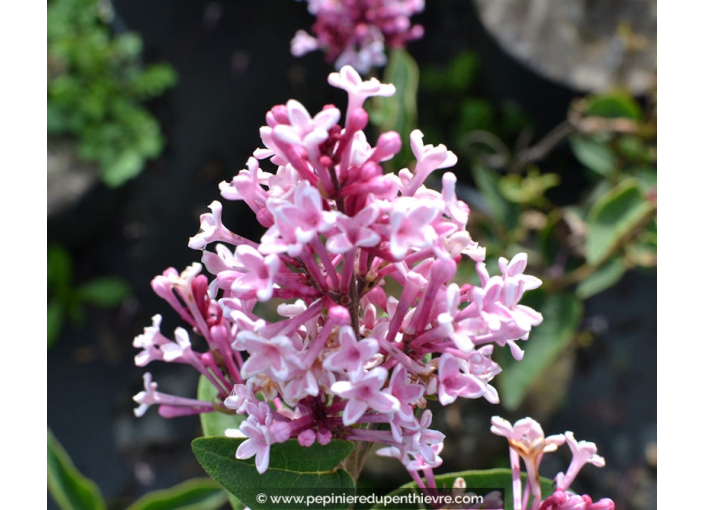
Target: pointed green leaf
(481,479)
(607,275)
(503,213)
(54,321)
(292,468)
(105,292)
(126,166)
(398,112)
(614,105)
(69,488)
(613,217)
(527,189)
(59,269)
(195,494)
(594,154)
(562,314)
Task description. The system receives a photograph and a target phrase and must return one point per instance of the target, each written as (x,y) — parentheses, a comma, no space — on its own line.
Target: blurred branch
(577,122)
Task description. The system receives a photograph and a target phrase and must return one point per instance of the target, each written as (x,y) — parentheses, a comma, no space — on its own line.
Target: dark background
(233,62)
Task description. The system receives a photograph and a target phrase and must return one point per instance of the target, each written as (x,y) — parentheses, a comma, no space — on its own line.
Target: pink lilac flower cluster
(528,442)
(355,32)
(360,265)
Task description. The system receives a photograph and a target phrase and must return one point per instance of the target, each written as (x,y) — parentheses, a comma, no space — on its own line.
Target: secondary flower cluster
(360,264)
(355,32)
(528,442)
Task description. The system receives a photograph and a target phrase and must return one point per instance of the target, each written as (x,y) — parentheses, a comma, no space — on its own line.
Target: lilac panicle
(356,32)
(344,356)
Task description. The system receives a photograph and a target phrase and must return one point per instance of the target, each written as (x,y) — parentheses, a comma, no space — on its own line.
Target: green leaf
(105,292)
(215,424)
(292,469)
(529,189)
(614,216)
(69,488)
(593,154)
(129,44)
(59,268)
(474,114)
(634,148)
(54,321)
(480,479)
(154,80)
(562,314)
(195,494)
(398,112)
(126,166)
(614,105)
(607,275)
(503,213)
(646,175)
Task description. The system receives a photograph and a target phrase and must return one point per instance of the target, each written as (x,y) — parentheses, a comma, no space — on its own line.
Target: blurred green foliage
(97,87)
(455,107)
(67,300)
(73,491)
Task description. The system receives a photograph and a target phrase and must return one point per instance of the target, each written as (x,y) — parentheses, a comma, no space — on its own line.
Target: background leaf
(613,216)
(69,488)
(195,494)
(292,468)
(594,154)
(54,321)
(502,213)
(399,112)
(105,292)
(562,314)
(614,105)
(59,269)
(607,275)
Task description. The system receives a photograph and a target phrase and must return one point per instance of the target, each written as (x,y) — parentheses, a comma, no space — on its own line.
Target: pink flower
(169,405)
(210,226)
(426,440)
(357,89)
(303,43)
(405,392)
(297,222)
(150,341)
(306,131)
(410,227)
(562,500)
(354,232)
(454,382)
(583,452)
(429,158)
(353,354)
(261,435)
(258,280)
(365,393)
(273,356)
(526,436)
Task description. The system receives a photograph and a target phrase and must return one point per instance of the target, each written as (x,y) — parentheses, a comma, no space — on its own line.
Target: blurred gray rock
(589,45)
